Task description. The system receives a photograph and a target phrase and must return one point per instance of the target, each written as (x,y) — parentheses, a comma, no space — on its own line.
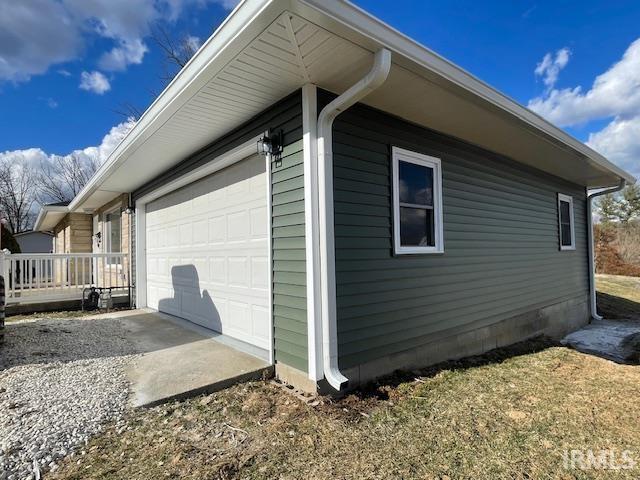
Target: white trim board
(402,155)
(566,199)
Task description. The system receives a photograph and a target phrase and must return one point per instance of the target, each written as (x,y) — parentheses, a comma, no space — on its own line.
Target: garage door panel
(207,252)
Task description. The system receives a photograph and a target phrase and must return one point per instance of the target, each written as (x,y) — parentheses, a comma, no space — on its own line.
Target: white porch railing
(42,277)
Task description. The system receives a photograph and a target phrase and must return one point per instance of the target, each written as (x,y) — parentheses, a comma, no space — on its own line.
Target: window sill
(418,251)
(567,249)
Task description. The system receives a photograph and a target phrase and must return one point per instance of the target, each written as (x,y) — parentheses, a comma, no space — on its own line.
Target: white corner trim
(434,163)
(567,199)
(372,80)
(312,240)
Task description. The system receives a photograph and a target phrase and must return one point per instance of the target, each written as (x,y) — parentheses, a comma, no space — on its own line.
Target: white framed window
(113,231)
(417,203)
(566,222)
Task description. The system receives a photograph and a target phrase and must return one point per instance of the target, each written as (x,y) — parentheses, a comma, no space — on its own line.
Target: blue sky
(503,42)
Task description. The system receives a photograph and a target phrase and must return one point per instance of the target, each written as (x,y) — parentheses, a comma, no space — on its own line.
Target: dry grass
(508,414)
(618,296)
(511,413)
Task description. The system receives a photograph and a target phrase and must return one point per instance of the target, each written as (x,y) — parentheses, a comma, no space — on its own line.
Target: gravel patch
(61,380)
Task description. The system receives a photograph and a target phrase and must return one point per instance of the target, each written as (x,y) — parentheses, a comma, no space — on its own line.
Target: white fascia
(372,80)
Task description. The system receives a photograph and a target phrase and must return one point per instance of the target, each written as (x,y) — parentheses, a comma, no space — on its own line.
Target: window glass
(416,227)
(566,234)
(416,184)
(565,215)
(565,212)
(115,233)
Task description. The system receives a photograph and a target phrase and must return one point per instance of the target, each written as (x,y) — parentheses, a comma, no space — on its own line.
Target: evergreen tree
(629,204)
(608,208)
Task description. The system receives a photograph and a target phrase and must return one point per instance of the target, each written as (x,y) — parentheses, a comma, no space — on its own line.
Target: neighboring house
(35,242)
(434,218)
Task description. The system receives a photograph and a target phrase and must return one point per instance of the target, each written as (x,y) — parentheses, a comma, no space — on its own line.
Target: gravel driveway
(60,381)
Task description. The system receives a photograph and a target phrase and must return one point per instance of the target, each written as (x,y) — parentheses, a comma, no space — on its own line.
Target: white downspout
(592,267)
(376,77)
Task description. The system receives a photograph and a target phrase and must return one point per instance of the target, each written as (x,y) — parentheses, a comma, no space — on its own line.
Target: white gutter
(592,267)
(376,77)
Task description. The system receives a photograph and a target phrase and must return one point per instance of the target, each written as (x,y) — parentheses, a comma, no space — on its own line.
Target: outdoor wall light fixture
(129,210)
(98,238)
(271,145)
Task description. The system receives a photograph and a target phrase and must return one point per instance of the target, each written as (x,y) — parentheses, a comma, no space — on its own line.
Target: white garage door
(207,252)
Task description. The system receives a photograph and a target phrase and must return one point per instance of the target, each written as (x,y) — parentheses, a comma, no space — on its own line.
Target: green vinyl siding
(501,258)
(287,217)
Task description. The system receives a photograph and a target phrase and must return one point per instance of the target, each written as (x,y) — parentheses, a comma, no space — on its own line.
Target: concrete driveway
(180,359)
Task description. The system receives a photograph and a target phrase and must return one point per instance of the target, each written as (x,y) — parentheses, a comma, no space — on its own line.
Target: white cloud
(94,82)
(194,43)
(614,95)
(128,53)
(36,34)
(620,142)
(38,159)
(51,103)
(549,68)
(109,142)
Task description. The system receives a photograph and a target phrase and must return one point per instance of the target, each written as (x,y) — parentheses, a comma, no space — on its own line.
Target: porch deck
(51,277)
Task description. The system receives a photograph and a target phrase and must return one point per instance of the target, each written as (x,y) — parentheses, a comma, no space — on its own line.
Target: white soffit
(284,56)
(275,52)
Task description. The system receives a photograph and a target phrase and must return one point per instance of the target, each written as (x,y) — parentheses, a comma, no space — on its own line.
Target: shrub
(617,249)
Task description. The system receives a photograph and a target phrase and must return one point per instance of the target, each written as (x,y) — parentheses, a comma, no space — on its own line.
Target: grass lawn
(511,413)
(618,296)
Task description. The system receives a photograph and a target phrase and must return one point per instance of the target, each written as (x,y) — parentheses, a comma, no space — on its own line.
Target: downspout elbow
(372,80)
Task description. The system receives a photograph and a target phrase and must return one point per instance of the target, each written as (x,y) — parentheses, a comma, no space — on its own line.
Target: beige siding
(113,273)
(72,235)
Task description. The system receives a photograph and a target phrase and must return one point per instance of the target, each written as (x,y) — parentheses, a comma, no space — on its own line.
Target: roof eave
(386,36)
(42,216)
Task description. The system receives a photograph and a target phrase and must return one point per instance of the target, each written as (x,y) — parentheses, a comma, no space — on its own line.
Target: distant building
(35,242)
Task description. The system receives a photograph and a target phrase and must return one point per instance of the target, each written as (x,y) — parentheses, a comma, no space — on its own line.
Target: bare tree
(177,51)
(62,179)
(17,195)
(128,110)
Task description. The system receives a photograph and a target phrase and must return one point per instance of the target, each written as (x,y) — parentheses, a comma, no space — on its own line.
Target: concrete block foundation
(554,321)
